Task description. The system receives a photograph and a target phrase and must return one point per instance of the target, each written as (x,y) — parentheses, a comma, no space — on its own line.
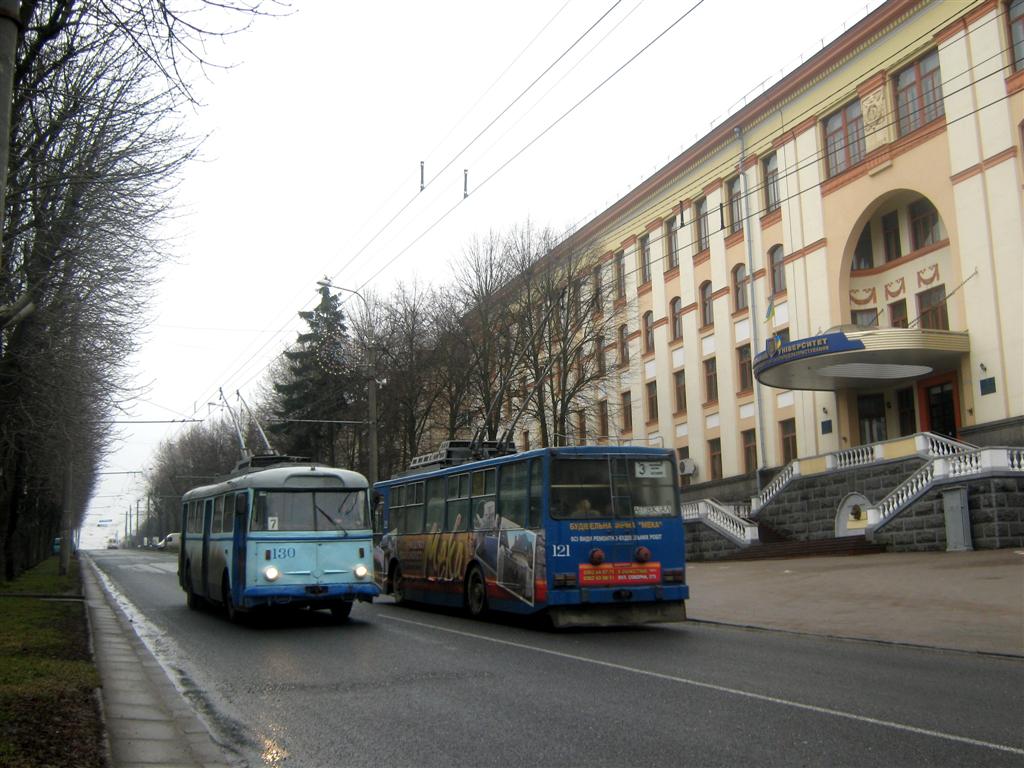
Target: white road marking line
(724,689)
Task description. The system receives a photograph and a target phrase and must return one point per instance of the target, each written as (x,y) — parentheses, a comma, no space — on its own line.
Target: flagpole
(754,324)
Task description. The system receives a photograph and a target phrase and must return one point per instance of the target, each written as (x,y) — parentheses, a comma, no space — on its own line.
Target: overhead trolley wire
(724,165)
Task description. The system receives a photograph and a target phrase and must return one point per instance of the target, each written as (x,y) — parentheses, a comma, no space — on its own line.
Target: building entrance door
(871,417)
(940,408)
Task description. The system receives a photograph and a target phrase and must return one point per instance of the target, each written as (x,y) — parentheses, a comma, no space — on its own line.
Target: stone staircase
(848,545)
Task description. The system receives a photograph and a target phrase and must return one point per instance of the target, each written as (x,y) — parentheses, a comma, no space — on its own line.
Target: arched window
(623,345)
(739,287)
(776,257)
(676,313)
(707,310)
(648,331)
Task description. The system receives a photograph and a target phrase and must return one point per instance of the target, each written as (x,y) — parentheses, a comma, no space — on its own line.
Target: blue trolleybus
(284,534)
(590,535)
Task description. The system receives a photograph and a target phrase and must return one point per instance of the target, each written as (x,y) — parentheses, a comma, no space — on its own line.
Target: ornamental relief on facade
(875,111)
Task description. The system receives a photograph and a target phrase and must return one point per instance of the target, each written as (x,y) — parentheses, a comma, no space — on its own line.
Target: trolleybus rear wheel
(396,585)
(476,593)
(340,611)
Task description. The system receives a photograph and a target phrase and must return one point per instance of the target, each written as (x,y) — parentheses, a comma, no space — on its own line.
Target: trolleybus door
(204,557)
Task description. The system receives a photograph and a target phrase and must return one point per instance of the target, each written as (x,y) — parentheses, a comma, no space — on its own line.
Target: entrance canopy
(859,358)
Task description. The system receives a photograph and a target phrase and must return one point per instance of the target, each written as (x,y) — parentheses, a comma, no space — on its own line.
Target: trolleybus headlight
(360,571)
(642,554)
(270,573)
(596,556)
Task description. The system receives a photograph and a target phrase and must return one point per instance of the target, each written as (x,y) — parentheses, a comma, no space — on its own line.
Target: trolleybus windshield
(584,489)
(331,510)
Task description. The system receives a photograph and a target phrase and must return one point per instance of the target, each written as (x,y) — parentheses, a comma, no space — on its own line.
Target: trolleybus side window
(229,513)
(513,489)
(218,515)
(484,514)
(435,505)
(536,493)
(411,519)
(458,503)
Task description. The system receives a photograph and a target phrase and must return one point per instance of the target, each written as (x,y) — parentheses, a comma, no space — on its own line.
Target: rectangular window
(620,276)
(645,258)
(844,138)
(513,493)
(919,94)
(581,428)
(770,168)
(599,355)
(679,380)
(715,458)
(863,253)
(864,318)
(931,309)
(627,412)
(891,236)
(905,411)
(749,438)
(898,314)
(652,401)
(602,419)
(787,433)
(671,244)
(597,289)
(458,503)
(435,505)
(710,381)
(1017,33)
(700,220)
(735,205)
(924,224)
(746,376)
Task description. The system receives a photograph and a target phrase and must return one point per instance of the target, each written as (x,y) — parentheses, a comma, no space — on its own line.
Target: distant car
(170,541)
(111,545)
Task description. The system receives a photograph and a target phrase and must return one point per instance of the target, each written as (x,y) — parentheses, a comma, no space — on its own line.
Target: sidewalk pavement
(966,601)
(149,723)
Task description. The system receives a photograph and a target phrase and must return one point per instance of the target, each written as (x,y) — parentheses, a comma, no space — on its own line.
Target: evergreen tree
(315,383)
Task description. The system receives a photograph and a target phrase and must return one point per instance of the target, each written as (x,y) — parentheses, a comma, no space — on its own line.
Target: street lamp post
(371,391)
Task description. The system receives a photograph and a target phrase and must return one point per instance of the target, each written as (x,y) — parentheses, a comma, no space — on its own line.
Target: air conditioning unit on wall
(687,467)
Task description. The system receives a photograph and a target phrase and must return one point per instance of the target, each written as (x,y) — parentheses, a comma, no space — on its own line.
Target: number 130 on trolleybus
(590,535)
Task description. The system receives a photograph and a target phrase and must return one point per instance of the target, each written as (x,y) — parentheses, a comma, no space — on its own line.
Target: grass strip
(48,711)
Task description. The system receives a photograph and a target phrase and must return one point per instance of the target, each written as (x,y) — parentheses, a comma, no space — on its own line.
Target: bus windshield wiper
(336,523)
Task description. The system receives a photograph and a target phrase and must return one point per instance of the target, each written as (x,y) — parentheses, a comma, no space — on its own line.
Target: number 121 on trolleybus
(590,535)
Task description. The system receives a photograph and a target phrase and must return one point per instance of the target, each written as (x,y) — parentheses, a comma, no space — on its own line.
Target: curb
(146,720)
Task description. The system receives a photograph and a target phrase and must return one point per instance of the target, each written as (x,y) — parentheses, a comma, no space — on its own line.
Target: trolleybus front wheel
(341,611)
(192,600)
(476,593)
(230,610)
(396,585)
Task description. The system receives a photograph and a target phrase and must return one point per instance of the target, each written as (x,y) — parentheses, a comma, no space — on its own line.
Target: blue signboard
(825,344)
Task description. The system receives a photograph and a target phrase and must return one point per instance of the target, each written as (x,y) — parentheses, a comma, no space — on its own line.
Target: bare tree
(561,310)
(95,151)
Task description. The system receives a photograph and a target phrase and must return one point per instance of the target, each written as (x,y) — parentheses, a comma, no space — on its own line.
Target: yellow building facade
(841,262)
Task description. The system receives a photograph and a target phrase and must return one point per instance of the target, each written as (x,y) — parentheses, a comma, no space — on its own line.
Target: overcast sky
(316,134)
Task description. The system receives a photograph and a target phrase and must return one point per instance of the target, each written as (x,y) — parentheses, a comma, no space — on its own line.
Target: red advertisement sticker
(619,574)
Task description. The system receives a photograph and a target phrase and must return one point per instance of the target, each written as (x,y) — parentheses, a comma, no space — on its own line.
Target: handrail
(926,445)
(943,470)
(718,517)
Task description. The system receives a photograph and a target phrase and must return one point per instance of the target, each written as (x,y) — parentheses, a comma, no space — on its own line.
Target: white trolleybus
(278,532)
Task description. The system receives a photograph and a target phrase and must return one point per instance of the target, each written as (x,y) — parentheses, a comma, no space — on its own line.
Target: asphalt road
(399,686)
